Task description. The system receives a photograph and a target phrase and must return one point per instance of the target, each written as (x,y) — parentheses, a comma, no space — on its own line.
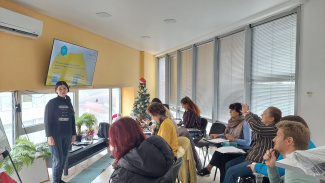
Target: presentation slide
(71,63)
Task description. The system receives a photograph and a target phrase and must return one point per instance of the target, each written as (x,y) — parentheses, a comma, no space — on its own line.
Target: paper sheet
(230,149)
(218,140)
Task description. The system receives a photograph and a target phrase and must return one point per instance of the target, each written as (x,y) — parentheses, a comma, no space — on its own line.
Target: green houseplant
(24,153)
(79,122)
(87,119)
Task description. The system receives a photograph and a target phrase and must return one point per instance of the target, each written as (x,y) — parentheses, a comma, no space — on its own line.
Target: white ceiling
(131,19)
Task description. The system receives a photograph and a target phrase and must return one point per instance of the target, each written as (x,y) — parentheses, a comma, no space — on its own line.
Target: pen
(263,162)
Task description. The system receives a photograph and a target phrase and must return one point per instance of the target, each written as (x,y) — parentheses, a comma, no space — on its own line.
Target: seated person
(290,137)
(237,131)
(164,126)
(168,114)
(138,159)
(191,117)
(264,130)
(262,168)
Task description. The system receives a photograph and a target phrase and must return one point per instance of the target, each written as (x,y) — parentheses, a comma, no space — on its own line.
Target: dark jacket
(151,162)
(59,117)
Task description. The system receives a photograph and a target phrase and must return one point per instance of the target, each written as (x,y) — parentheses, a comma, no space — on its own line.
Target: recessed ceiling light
(170,20)
(103,14)
(145,37)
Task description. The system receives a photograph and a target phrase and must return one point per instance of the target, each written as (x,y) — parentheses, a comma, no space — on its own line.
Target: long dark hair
(191,105)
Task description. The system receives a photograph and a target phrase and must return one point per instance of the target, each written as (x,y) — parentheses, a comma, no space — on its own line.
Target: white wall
(312,69)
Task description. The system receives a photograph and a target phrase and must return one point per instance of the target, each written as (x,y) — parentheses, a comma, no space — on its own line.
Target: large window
(95,101)
(186,76)
(274,65)
(33,106)
(31,117)
(255,64)
(6,114)
(231,73)
(205,79)
(116,98)
(173,82)
(161,79)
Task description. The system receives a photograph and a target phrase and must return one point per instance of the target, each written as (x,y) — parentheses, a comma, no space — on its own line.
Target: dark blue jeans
(59,153)
(236,168)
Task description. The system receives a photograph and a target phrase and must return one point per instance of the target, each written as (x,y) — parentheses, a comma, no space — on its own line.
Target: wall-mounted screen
(71,63)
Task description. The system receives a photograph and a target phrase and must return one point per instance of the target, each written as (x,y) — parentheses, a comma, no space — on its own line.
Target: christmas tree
(141,102)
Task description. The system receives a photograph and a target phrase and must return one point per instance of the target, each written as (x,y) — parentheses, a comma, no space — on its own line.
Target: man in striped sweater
(264,130)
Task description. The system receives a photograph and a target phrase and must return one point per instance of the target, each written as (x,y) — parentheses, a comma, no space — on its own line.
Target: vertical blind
(173,82)
(205,79)
(231,73)
(273,65)
(186,76)
(161,79)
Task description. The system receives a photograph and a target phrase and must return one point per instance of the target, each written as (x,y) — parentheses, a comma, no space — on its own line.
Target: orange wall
(149,69)
(24,62)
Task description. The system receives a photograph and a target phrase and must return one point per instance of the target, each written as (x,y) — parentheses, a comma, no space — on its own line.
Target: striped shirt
(261,138)
(191,120)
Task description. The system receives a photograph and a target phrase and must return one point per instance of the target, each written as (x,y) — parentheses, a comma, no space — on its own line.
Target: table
(86,152)
(287,164)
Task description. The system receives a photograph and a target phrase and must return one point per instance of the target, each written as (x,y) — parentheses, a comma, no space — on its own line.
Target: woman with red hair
(138,159)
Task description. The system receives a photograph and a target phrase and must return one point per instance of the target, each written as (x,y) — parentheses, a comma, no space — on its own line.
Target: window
(173,82)
(161,79)
(33,107)
(231,73)
(6,115)
(32,114)
(205,79)
(116,98)
(186,76)
(95,101)
(273,65)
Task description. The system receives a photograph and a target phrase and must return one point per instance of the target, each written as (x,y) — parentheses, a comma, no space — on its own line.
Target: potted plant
(79,122)
(89,120)
(23,155)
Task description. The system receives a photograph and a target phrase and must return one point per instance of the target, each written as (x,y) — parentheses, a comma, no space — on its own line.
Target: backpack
(103,130)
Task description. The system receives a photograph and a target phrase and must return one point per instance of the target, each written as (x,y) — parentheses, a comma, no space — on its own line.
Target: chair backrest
(204,124)
(103,130)
(217,128)
(176,167)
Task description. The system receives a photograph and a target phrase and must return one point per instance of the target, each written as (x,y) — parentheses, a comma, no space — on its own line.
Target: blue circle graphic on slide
(64,50)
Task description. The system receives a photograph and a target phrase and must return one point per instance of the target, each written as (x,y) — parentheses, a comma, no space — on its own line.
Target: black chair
(216,128)
(176,168)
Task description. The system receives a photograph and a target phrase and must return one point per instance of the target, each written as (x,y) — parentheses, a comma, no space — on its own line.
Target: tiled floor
(105,175)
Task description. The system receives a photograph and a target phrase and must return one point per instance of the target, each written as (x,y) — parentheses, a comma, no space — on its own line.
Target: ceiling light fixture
(103,14)
(170,20)
(145,37)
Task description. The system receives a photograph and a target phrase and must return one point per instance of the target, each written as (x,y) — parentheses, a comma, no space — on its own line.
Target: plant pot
(78,138)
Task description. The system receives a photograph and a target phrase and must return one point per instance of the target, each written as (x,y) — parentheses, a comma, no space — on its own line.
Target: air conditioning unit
(19,24)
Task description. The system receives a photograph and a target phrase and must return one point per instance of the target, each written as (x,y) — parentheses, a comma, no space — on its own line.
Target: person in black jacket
(60,128)
(139,159)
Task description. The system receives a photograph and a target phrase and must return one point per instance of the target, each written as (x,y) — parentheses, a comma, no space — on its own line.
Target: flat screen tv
(71,63)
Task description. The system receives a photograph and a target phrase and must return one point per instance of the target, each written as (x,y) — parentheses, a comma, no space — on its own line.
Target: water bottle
(229,144)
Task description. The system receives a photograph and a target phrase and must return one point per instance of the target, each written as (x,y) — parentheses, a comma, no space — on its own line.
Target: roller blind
(205,79)
(186,76)
(273,65)
(161,79)
(173,82)
(231,73)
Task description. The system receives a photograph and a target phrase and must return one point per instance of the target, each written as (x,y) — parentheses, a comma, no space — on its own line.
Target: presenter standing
(60,128)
